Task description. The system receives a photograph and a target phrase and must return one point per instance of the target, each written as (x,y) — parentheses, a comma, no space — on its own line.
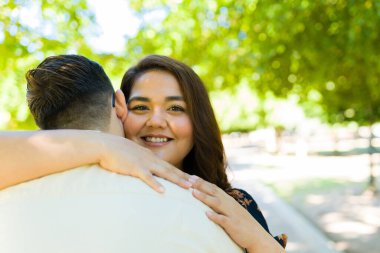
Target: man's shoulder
(131,212)
(93,179)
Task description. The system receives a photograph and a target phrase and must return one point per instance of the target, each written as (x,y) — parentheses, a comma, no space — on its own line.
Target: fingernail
(187,183)
(161,189)
(193,179)
(209,214)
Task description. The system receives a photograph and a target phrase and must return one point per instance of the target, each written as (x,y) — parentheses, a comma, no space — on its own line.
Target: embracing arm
(234,219)
(27,155)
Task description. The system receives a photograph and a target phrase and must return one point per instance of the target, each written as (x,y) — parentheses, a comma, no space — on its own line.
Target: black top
(250,204)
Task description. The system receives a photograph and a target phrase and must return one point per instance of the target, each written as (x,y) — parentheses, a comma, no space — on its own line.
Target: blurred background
(294,84)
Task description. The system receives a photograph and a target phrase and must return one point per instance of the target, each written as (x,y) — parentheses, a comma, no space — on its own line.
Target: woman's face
(157,117)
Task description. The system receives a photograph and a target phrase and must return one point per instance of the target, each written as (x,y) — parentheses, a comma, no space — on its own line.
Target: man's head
(70,91)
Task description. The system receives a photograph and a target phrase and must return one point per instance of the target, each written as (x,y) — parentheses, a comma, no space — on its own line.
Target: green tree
(324,51)
(33,30)
(332,59)
(30,31)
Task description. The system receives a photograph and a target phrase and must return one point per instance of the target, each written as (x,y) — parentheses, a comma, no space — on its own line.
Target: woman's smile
(157,117)
(156,140)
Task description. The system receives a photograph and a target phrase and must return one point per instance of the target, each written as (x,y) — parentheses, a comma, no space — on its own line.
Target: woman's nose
(157,119)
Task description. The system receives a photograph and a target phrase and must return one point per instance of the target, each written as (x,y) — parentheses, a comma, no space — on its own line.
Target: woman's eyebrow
(171,98)
(138,98)
(145,99)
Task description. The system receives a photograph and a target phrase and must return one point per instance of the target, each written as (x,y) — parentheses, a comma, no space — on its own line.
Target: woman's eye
(139,108)
(176,108)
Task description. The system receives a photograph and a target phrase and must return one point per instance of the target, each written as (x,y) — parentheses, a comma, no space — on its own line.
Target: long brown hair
(207,158)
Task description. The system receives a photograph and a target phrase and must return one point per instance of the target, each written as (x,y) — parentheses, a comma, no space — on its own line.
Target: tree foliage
(31,31)
(323,51)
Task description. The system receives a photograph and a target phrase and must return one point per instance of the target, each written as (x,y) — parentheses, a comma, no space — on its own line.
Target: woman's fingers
(150,180)
(139,162)
(172,174)
(204,186)
(219,219)
(212,201)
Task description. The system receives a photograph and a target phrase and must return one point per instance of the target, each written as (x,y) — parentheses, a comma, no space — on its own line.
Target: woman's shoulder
(244,198)
(249,203)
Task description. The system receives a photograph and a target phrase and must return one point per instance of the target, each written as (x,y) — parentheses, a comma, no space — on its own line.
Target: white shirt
(92,210)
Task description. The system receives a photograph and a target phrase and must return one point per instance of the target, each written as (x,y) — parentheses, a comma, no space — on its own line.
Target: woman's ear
(121,105)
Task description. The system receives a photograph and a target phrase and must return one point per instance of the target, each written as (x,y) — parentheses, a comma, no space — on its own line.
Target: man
(89,209)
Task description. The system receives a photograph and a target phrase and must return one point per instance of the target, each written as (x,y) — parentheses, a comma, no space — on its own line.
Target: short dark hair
(207,157)
(69,91)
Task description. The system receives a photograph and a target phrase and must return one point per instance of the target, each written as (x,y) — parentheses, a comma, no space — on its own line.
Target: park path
(303,237)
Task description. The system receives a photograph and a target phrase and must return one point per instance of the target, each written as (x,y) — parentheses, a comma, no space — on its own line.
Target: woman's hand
(125,157)
(233,218)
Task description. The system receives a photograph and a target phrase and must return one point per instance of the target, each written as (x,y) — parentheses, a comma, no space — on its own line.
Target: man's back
(92,210)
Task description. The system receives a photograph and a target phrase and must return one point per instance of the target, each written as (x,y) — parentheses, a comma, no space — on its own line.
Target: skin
(157,118)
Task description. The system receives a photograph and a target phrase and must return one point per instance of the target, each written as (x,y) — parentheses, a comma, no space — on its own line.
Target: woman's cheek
(186,126)
(131,125)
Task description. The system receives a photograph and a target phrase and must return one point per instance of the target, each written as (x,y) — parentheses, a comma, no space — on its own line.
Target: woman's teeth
(156,139)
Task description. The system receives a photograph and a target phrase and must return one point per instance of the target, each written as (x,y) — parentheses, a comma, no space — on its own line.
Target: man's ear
(121,105)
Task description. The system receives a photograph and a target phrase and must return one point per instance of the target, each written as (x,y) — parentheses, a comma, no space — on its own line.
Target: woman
(171,115)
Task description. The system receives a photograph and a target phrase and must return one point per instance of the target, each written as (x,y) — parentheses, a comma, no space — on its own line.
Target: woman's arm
(234,219)
(27,155)
(247,201)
